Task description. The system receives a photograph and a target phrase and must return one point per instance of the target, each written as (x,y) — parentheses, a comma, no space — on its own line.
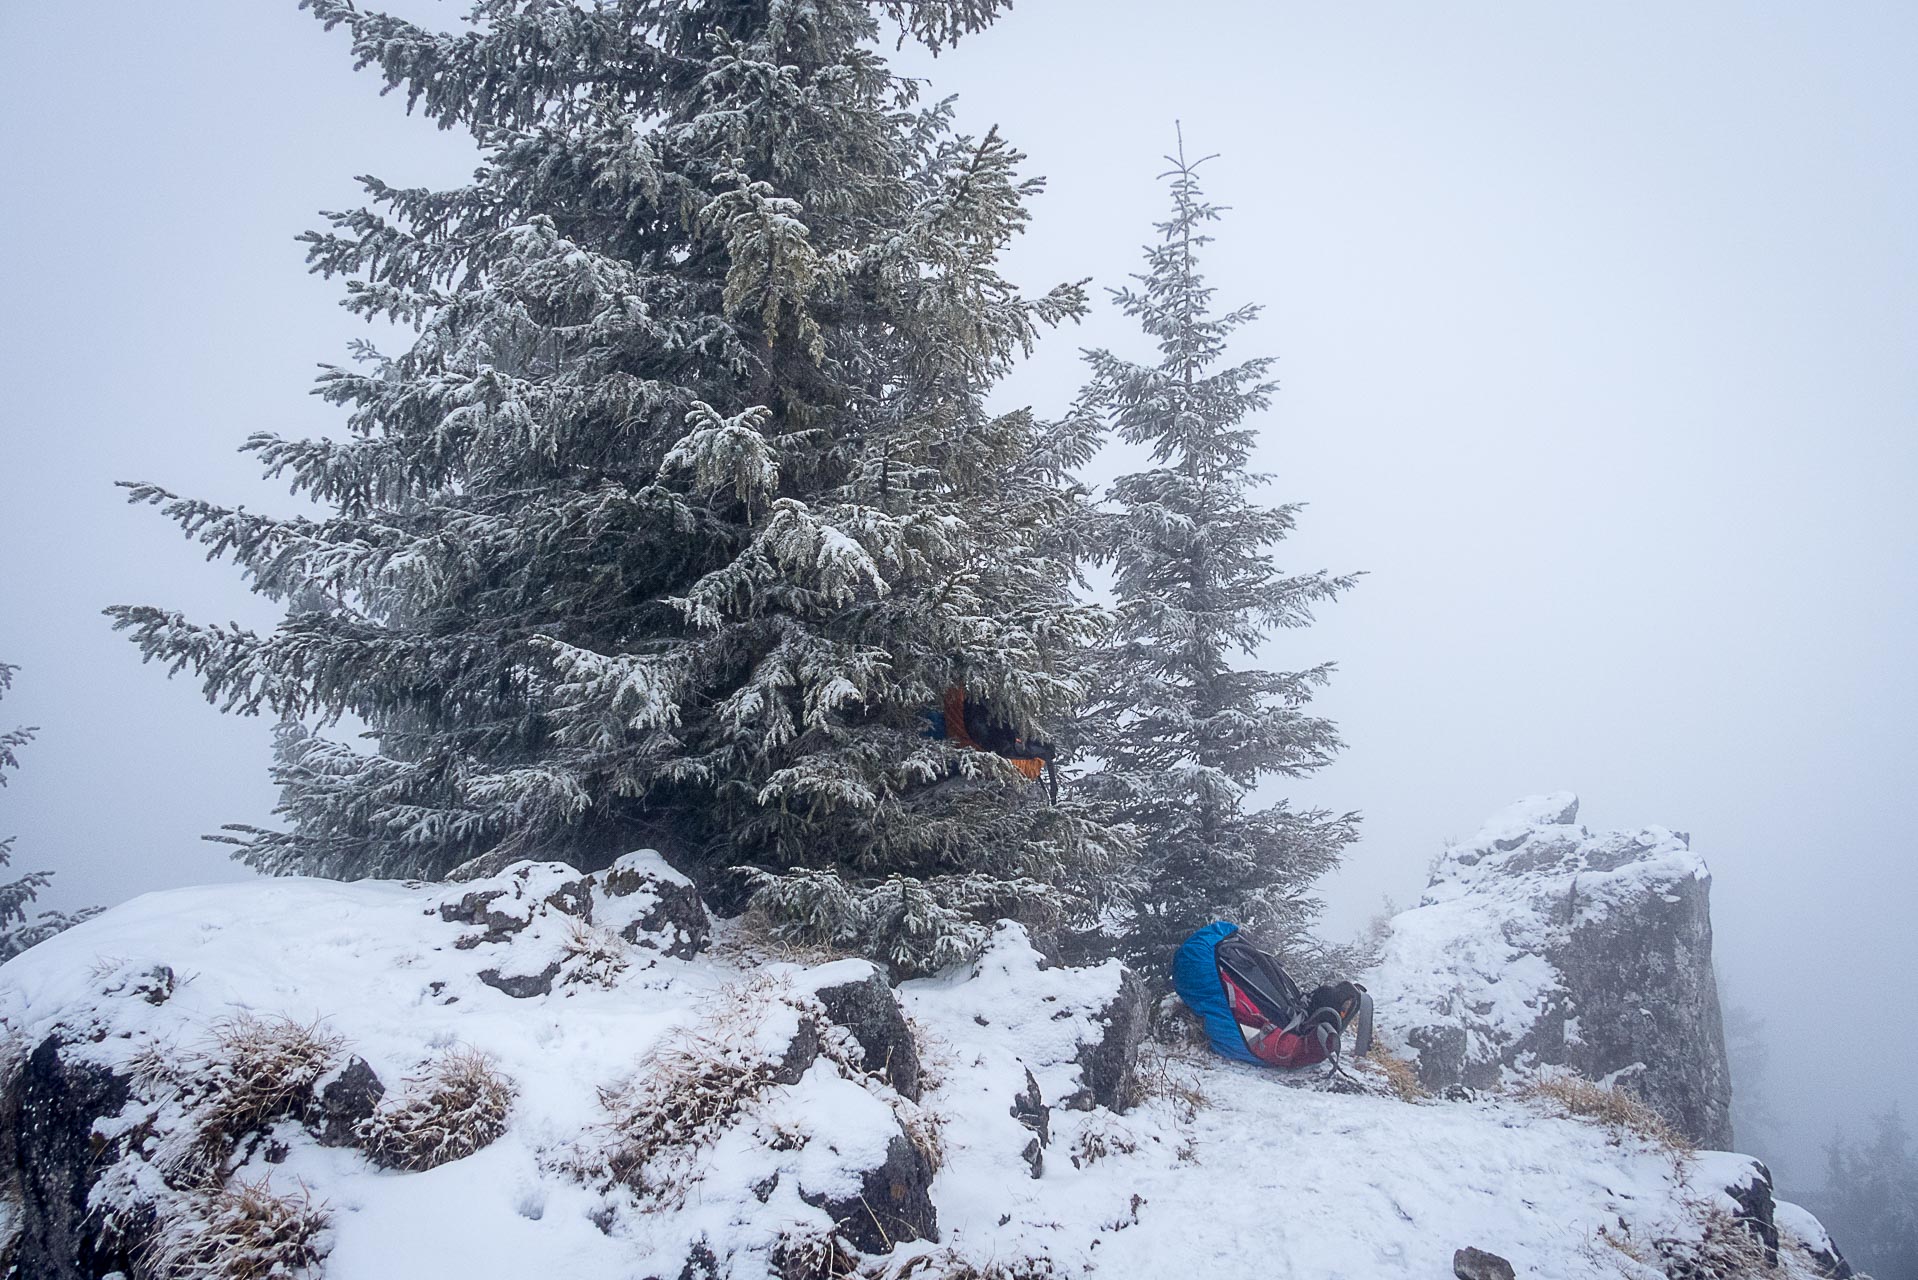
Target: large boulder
(47,1143)
(1539,943)
(856,996)
(536,917)
(642,899)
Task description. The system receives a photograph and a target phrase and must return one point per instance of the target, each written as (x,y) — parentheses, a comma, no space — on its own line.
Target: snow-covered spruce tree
(684,503)
(17,933)
(1184,735)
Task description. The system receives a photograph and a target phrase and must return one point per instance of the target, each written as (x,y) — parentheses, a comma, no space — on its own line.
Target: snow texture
(1273,1174)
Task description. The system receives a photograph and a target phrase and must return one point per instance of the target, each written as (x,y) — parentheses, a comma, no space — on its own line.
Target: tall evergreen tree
(17,931)
(1183,733)
(685,502)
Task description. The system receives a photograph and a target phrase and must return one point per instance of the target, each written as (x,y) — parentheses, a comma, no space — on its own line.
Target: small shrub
(592,955)
(242,1232)
(454,1108)
(1170,1074)
(1611,1107)
(687,1091)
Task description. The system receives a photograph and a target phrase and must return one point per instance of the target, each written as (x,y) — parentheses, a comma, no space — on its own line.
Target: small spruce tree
(684,504)
(1185,735)
(17,931)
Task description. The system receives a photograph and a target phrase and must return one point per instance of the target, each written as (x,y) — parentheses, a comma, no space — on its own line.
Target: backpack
(1252,1009)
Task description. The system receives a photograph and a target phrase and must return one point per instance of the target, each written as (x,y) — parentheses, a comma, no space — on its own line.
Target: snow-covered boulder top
(534,1071)
(1538,942)
(537,1072)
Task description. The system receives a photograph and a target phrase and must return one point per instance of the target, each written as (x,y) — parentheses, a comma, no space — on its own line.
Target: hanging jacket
(968,724)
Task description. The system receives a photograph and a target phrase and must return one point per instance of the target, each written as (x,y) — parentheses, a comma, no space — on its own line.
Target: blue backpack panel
(1195,975)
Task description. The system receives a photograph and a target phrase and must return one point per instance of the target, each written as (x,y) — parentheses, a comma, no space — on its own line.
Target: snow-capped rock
(330,1074)
(1539,943)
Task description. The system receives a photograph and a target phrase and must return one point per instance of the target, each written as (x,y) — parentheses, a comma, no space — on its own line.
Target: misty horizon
(1594,338)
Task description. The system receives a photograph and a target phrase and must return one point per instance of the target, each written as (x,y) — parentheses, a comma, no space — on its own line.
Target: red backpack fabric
(1271,1044)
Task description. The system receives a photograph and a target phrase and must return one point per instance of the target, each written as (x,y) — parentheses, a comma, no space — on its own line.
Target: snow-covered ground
(1269,1176)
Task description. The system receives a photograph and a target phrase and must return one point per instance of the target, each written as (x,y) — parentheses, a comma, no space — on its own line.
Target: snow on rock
(1540,943)
(222,1057)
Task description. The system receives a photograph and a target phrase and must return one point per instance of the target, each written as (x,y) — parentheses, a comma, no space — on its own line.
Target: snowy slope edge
(815,1124)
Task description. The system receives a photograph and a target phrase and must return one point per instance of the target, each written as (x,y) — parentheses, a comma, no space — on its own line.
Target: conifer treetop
(1185,734)
(684,502)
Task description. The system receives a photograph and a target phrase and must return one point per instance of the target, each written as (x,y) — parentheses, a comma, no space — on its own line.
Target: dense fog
(1595,332)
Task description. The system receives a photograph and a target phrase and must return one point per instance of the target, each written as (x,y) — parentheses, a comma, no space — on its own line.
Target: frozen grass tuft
(814,1256)
(253,1070)
(1610,1107)
(950,1264)
(1101,1138)
(1399,1075)
(687,1091)
(245,1231)
(1724,1247)
(594,956)
(454,1108)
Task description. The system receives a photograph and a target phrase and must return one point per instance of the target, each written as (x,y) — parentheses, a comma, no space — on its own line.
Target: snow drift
(547,1073)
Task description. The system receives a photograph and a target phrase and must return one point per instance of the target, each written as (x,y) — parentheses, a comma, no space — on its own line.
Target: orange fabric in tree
(956,717)
(955,708)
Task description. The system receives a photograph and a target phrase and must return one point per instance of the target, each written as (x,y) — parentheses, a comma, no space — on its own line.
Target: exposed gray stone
(1476,1264)
(46,1138)
(1029,1109)
(893,1204)
(1109,1066)
(522,986)
(651,905)
(507,905)
(1756,1207)
(1539,943)
(800,1054)
(866,1007)
(347,1099)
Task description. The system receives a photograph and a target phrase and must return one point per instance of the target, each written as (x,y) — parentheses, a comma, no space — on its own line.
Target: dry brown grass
(1398,1074)
(1724,1248)
(814,1256)
(457,1106)
(251,1071)
(1609,1107)
(687,1091)
(245,1231)
(593,956)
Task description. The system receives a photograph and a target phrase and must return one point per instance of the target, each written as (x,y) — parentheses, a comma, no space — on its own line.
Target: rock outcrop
(1538,943)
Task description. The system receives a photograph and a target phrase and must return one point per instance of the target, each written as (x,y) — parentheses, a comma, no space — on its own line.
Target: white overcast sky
(1596,328)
